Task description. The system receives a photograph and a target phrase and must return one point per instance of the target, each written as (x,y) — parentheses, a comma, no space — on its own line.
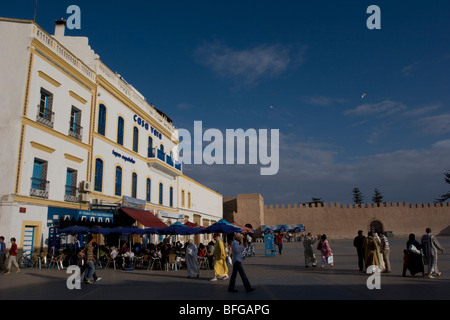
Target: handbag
(330,259)
(413,249)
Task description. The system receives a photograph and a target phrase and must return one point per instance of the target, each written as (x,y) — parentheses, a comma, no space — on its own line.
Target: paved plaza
(283,277)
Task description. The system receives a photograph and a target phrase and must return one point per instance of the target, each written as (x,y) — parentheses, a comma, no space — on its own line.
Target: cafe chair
(172,262)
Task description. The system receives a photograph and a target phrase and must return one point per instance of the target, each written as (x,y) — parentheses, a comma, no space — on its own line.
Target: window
(134,185)
(150,148)
(102,120)
(75,129)
(171,196)
(39,183)
(70,194)
(98,182)
(135,139)
(161,147)
(189,200)
(148,190)
(118,182)
(45,114)
(182,198)
(120,130)
(160,193)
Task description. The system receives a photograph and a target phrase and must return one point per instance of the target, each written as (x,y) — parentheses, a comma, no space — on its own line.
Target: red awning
(148,219)
(193,225)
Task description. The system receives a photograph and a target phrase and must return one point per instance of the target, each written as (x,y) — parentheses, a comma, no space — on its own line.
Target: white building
(75,136)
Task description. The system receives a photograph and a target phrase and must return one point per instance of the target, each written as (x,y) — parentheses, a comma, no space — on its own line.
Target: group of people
(327,257)
(374,252)
(418,254)
(221,255)
(12,258)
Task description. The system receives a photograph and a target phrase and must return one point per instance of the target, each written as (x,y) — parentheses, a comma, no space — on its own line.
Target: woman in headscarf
(325,250)
(192,260)
(415,259)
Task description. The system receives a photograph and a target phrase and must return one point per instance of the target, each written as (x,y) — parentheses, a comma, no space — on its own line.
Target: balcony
(71,194)
(39,188)
(163,162)
(75,131)
(45,116)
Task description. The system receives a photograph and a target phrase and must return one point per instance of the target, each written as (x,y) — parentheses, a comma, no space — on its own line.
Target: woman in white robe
(192,261)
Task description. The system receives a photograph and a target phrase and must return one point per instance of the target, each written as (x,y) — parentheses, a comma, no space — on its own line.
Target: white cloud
(439,124)
(383,108)
(246,66)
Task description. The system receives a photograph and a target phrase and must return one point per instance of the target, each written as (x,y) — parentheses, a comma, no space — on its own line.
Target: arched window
(134,185)
(160,193)
(118,183)
(148,190)
(102,120)
(98,180)
(135,139)
(171,197)
(120,130)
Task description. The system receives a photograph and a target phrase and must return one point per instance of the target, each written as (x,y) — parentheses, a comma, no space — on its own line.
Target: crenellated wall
(341,221)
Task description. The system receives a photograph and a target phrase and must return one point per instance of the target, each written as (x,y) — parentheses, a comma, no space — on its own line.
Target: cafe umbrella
(221,226)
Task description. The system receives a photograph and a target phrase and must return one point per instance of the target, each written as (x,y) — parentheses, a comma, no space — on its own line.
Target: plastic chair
(172,262)
(109,261)
(203,261)
(155,260)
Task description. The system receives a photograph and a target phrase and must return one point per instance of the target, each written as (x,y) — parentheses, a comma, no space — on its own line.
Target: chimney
(60,26)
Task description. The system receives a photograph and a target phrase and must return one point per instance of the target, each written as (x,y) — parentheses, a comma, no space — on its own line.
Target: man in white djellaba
(430,247)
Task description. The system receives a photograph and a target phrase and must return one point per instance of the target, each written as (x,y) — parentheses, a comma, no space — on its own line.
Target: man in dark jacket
(358,242)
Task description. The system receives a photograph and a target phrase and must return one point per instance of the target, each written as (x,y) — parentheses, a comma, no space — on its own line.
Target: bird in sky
(364,95)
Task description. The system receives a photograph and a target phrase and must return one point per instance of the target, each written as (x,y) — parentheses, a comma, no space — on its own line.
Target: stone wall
(343,221)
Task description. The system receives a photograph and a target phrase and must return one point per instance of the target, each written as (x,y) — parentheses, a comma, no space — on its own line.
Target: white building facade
(75,136)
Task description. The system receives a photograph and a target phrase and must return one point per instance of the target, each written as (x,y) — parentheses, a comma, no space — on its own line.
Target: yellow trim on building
(49,79)
(77,97)
(41,147)
(57,134)
(73,158)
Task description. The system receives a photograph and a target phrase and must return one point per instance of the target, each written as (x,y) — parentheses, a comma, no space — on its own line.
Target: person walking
(279,241)
(192,260)
(415,259)
(90,262)
(2,254)
(325,250)
(430,247)
(13,256)
(358,243)
(310,257)
(385,251)
(236,256)
(220,260)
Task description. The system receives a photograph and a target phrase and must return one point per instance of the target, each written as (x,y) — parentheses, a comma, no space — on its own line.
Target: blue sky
(226,62)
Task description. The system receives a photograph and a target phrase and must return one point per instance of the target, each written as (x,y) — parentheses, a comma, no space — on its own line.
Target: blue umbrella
(221,226)
(75,229)
(179,228)
(152,230)
(99,230)
(128,230)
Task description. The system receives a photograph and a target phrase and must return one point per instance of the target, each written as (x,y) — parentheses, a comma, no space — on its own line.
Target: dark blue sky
(226,62)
